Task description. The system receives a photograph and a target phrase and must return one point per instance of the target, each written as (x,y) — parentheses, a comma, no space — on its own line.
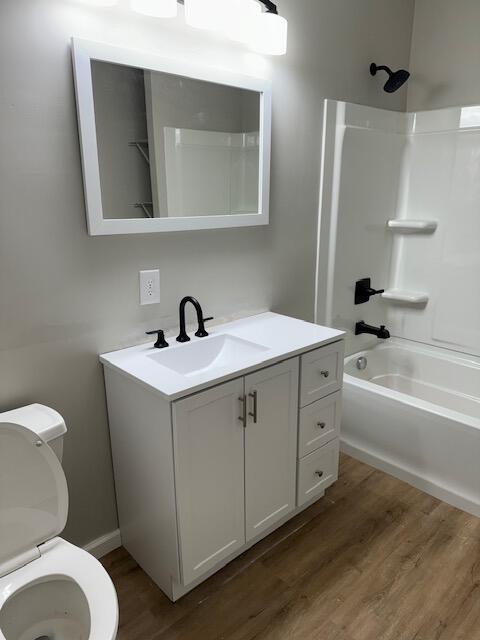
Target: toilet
(49,588)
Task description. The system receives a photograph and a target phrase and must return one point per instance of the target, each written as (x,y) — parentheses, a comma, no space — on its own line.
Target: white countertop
(281,336)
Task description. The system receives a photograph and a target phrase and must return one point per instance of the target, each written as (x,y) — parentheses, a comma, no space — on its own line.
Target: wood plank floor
(374,560)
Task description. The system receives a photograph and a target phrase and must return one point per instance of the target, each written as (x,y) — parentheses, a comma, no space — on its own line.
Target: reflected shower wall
(196,131)
(211,171)
(173,146)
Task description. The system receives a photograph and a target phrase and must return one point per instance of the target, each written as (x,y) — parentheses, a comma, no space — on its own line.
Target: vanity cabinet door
(209,477)
(270,445)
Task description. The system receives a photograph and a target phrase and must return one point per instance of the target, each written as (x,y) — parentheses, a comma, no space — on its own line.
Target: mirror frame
(83,52)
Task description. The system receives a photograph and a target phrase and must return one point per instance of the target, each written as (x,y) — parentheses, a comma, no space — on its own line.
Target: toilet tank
(47,423)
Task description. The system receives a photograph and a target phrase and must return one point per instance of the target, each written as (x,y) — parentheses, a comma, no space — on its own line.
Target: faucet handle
(364,291)
(202,333)
(161,343)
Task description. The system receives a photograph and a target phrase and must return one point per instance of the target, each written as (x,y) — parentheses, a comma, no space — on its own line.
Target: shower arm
(383,67)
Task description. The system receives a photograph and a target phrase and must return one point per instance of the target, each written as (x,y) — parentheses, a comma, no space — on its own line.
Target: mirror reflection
(172,146)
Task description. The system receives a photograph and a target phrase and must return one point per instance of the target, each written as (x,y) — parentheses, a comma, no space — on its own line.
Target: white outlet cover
(149,287)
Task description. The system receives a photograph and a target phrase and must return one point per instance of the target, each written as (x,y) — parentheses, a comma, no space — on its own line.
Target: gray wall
(65,297)
(445,54)
(199,105)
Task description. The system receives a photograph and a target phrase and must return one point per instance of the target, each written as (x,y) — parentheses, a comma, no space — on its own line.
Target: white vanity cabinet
(202,476)
(235,464)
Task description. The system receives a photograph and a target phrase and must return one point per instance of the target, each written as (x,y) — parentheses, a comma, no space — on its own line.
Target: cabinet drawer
(322,373)
(317,471)
(319,423)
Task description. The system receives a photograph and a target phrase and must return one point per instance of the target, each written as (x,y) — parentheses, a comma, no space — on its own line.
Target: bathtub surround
(440,182)
(67,297)
(411,405)
(357,199)
(414,231)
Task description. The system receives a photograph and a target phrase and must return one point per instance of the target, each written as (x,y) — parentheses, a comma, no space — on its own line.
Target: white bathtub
(414,412)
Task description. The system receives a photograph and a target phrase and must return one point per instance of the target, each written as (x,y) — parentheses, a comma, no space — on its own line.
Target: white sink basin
(206,354)
(231,350)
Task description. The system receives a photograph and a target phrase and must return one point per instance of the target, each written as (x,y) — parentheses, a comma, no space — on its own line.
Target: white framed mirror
(168,145)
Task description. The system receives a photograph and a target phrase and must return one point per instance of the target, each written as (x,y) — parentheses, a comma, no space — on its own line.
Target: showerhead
(396,79)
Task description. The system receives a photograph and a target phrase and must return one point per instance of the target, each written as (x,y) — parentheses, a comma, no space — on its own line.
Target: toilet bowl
(49,589)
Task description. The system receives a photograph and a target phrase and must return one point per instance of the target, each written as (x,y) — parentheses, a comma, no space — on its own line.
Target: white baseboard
(103,545)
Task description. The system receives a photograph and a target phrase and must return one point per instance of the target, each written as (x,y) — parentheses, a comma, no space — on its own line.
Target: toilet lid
(33,493)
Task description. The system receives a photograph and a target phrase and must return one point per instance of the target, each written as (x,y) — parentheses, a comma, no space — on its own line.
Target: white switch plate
(150,287)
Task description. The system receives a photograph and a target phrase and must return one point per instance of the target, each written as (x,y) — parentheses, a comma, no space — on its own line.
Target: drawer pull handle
(325,374)
(319,474)
(321,425)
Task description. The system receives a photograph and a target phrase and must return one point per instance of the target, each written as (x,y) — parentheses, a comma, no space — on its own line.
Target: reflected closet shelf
(404,296)
(412,226)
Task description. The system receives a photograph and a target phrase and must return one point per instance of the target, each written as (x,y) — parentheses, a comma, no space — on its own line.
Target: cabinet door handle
(254,414)
(243,417)
(319,474)
(321,425)
(325,373)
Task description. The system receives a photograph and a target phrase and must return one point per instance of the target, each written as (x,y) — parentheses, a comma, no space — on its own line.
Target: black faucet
(201,332)
(380,332)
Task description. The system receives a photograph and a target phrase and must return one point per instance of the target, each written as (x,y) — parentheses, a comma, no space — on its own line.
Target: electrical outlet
(150,287)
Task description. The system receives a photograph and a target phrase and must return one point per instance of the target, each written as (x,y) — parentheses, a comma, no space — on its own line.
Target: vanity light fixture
(265,31)
(270,32)
(243,21)
(205,14)
(99,3)
(155,8)
(239,19)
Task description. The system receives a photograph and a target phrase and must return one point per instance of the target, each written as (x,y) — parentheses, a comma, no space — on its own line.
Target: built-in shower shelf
(404,296)
(412,226)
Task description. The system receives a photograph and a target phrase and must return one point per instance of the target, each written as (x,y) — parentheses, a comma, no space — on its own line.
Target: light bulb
(269,35)
(155,8)
(204,14)
(239,18)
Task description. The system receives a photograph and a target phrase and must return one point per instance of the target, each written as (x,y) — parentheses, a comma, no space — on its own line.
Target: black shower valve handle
(364,291)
